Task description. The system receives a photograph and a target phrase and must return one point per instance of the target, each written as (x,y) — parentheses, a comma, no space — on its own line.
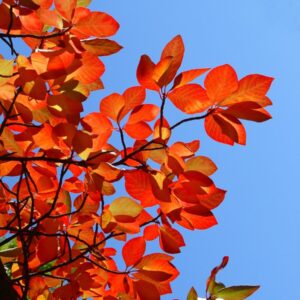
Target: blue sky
(259,219)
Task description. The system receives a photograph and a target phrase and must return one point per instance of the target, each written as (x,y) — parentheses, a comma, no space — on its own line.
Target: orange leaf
(99,125)
(9,168)
(145,72)
(138,131)
(31,22)
(145,112)
(190,98)
(175,49)
(151,232)
(59,63)
(98,24)
(160,70)
(91,69)
(184,149)
(225,129)
(187,76)
(112,106)
(108,172)
(133,251)
(44,138)
(65,8)
(50,18)
(221,82)
(251,88)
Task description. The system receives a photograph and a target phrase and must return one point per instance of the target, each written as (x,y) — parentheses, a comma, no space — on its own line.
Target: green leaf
(236,292)
(217,287)
(47,265)
(11,252)
(83,3)
(192,295)
(11,244)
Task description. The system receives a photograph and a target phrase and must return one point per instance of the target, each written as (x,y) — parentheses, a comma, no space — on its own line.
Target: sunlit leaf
(124,206)
(133,251)
(190,98)
(221,82)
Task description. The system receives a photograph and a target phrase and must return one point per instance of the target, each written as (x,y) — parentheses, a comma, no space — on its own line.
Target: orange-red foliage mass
(58,167)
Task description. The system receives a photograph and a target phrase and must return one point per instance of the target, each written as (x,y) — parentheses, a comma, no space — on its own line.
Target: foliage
(58,166)
(217,290)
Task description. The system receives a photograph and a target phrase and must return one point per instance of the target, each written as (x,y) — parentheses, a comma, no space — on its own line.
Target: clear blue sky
(259,219)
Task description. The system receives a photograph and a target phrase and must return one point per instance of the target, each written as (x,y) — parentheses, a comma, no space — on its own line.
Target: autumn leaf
(220,83)
(133,251)
(250,88)
(101,47)
(190,98)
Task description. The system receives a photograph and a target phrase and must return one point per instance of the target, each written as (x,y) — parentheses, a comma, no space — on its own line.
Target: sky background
(259,219)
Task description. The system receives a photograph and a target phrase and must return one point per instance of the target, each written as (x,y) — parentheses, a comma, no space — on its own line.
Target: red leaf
(146,290)
(47,249)
(196,218)
(138,185)
(248,111)
(170,239)
(133,251)
(221,82)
